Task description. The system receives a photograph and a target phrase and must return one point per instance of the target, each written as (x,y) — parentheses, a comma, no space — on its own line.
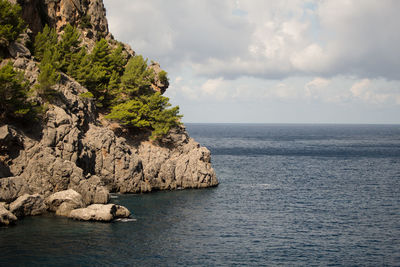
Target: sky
(261,61)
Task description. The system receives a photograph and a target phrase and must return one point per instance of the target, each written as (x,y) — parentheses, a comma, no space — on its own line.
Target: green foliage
(68,47)
(136,105)
(117,60)
(48,77)
(163,78)
(85,22)
(13,93)
(86,95)
(100,71)
(45,41)
(147,111)
(123,87)
(137,78)
(11,23)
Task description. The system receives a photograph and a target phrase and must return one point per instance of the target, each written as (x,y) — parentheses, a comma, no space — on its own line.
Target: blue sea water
(289,195)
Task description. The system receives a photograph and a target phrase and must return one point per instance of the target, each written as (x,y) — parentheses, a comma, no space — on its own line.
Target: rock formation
(76,158)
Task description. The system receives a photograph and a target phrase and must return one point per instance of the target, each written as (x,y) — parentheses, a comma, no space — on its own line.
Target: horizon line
(297,123)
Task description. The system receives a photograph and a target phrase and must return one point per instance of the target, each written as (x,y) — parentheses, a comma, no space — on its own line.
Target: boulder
(17,49)
(95,212)
(6,217)
(122,212)
(93,191)
(11,188)
(63,202)
(28,205)
(100,212)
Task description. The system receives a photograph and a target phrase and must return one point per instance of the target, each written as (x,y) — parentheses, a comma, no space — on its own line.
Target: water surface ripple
(304,195)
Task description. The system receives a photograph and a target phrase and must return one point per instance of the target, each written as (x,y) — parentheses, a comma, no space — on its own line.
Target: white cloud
(313,88)
(271,39)
(369,92)
(215,88)
(339,54)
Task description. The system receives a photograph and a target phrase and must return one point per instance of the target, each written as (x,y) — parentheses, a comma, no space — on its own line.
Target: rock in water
(6,217)
(28,205)
(122,212)
(63,202)
(100,212)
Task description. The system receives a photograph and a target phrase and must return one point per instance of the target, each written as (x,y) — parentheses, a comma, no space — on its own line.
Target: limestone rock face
(6,217)
(58,13)
(28,205)
(112,159)
(181,164)
(11,188)
(100,212)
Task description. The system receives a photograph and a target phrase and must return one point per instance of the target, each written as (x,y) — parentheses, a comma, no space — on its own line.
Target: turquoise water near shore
(289,195)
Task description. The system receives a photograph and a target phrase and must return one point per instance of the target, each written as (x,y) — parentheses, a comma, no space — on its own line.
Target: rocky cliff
(75,149)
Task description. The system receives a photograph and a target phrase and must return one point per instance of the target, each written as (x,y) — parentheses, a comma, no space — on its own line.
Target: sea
(289,195)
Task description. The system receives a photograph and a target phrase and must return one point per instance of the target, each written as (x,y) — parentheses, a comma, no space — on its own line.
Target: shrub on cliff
(47,78)
(162,76)
(137,78)
(13,93)
(138,106)
(147,111)
(68,47)
(11,23)
(45,41)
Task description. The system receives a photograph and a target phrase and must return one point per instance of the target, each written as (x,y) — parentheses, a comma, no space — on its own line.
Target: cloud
(267,39)
(322,57)
(374,93)
(315,86)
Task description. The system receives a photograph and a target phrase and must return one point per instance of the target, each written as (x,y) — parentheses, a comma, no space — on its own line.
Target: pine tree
(47,78)
(117,60)
(68,46)
(11,23)
(137,78)
(13,93)
(79,61)
(147,111)
(45,41)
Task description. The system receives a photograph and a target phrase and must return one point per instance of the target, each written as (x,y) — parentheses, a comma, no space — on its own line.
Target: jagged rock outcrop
(73,150)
